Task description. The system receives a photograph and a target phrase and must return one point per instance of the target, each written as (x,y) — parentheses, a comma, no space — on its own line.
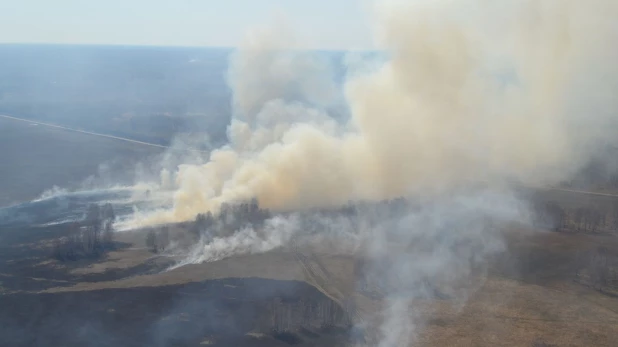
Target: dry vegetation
(549,288)
(36,158)
(535,294)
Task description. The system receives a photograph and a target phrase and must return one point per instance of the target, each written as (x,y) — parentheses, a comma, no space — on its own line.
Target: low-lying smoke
(434,248)
(275,233)
(472,98)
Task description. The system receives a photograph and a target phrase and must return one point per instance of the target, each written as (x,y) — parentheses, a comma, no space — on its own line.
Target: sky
(319,24)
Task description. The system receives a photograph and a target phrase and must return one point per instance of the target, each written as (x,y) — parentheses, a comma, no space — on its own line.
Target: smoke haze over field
(473,97)
(467,100)
(472,93)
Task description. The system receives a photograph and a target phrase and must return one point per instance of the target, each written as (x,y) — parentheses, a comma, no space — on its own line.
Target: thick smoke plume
(471,93)
(472,98)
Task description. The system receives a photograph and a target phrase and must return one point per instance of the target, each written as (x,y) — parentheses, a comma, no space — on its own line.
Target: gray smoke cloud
(438,251)
(525,97)
(472,96)
(427,249)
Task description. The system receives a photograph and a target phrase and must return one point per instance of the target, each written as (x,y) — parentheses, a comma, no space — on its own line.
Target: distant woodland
(145,93)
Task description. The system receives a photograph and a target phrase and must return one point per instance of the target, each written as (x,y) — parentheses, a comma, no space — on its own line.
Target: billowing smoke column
(471,93)
(472,97)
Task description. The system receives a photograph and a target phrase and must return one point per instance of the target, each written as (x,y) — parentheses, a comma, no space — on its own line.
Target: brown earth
(528,295)
(307,297)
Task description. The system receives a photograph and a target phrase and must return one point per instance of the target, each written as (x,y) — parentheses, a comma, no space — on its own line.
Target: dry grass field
(534,294)
(34,158)
(527,298)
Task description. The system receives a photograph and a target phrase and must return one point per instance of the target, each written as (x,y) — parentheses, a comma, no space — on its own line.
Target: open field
(35,158)
(530,295)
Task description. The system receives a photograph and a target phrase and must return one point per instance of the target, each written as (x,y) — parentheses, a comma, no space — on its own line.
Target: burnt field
(35,158)
(552,284)
(233,311)
(546,287)
(538,291)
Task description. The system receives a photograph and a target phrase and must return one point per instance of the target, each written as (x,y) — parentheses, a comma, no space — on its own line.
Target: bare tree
(556,216)
(164,238)
(579,219)
(599,269)
(614,214)
(108,235)
(151,241)
(203,222)
(89,238)
(107,220)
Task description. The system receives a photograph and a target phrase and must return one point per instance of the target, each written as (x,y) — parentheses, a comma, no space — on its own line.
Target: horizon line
(119,45)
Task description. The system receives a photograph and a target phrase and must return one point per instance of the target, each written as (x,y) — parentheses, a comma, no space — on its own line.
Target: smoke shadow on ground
(248,311)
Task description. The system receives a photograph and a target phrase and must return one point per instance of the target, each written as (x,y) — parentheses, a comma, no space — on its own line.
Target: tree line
(551,215)
(89,238)
(231,217)
(290,316)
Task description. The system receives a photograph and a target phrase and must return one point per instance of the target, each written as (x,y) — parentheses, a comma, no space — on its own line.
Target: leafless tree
(163,238)
(552,216)
(614,214)
(597,269)
(151,241)
(89,238)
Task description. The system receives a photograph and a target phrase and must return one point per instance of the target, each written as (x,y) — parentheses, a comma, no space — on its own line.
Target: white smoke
(423,250)
(437,250)
(471,94)
(275,233)
(52,193)
(435,116)
(266,67)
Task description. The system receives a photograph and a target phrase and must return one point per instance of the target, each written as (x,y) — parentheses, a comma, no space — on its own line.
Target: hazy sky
(329,24)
